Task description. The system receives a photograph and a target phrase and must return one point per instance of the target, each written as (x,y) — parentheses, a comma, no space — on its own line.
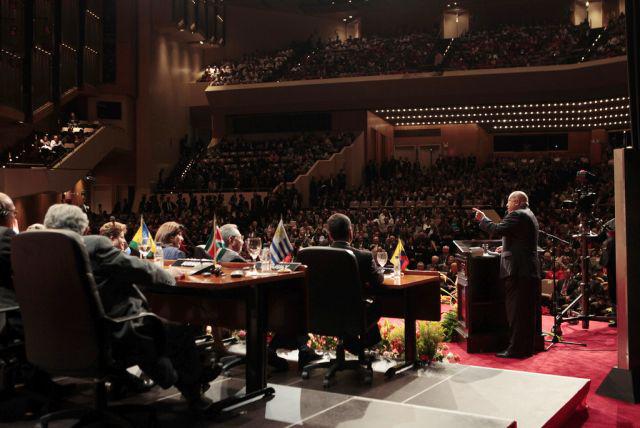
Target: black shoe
(509,354)
(613,324)
(306,356)
(278,363)
(126,384)
(200,405)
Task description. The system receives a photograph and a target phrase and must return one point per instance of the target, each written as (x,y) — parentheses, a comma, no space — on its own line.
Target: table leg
(410,349)
(256,370)
(256,358)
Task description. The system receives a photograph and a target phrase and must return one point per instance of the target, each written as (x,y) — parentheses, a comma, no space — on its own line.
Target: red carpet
(592,362)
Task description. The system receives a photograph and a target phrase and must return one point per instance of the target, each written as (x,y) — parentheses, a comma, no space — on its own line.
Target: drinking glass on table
(381,258)
(265,260)
(254,245)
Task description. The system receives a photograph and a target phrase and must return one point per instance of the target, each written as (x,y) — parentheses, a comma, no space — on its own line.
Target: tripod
(558,317)
(584,236)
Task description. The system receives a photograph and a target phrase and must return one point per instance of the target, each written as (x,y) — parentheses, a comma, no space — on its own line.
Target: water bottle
(158,257)
(396,267)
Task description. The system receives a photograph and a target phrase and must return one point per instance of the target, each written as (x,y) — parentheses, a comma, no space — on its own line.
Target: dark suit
(13,320)
(520,271)
(5,257)
(167,349)
(371,277)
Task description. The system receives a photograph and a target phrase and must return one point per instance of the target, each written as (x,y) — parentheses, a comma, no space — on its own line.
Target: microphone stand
(556,330)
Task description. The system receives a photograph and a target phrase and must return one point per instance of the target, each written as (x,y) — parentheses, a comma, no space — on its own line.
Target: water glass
(397,268)
(265,260)
(158,257)
(381,258)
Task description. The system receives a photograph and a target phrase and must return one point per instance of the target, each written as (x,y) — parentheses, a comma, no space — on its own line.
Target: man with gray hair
(169,355)
(233,244)
(520,271)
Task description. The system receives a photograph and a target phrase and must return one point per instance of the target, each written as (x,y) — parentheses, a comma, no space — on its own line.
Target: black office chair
(66,330)
(335,306)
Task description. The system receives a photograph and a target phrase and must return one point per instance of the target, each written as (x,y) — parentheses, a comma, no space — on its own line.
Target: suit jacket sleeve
(505,228)
(126,268)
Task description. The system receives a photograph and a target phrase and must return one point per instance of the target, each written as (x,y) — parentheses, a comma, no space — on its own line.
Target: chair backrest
(334,292)
(59,302)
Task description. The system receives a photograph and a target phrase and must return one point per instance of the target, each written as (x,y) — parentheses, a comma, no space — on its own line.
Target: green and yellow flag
(142,241)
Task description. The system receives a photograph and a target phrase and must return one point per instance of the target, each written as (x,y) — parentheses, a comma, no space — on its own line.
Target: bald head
(7,210)
(517,200)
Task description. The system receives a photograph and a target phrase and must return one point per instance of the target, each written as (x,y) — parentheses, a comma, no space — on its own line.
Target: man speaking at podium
(520,271)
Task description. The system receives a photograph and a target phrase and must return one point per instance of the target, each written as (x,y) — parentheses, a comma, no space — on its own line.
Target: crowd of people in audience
(506,46)
(239,163)
(427,208)
(46,148)
(254,68)
(517,46)
(615,42)
(364,56)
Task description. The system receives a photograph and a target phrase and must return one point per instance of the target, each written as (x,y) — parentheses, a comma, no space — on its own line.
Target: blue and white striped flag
(280,245)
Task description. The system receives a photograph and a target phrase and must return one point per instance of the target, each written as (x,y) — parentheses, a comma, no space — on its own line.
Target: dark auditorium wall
(379,142)
(31,209)
(494,12)
(165,64)
(454,140)
(386,17)
(248,30)
(389,16)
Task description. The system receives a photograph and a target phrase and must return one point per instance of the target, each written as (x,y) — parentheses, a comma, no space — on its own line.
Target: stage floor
(444,395)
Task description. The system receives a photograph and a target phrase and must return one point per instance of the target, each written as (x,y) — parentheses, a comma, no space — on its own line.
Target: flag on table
(143,235)
(400,255)
(215,243)
(281,248)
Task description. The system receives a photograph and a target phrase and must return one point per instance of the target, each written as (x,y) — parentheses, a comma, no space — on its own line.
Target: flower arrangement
(430,336)
(322,343)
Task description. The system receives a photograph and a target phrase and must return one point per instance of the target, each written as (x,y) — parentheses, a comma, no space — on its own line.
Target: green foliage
(428,337)
(449,324)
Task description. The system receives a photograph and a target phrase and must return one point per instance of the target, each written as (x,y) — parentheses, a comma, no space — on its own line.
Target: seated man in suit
(233,244)
(166,351)
(371,277)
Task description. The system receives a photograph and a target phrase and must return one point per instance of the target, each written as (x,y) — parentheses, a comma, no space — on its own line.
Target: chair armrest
(120,320)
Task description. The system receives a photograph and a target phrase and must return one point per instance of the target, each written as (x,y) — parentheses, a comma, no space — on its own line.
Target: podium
(481,307)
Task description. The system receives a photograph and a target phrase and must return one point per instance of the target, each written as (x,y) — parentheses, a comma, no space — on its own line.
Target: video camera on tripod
(583,202)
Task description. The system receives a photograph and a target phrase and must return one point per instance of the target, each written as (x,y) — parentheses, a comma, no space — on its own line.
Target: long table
(276,302)
(273,301)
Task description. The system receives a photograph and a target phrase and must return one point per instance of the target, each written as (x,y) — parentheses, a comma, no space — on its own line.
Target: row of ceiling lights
(597,113)
(510,106)
(517,113)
